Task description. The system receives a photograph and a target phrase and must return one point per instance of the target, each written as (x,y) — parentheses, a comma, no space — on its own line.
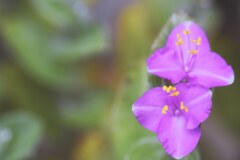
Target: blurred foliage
(48,42)
(89,114)
(92,142)
(19,133)
(68,81)
(149,148)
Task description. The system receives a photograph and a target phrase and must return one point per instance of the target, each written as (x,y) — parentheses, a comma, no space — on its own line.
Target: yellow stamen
(173,88)
(179,41)
(182,107)
(186,32)
(165,88)
(174,93)
(199,40)
(194,51)
(168,89)
(165,109)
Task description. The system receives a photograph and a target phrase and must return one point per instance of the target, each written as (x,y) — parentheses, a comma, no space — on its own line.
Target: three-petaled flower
(174,114)
(187,57)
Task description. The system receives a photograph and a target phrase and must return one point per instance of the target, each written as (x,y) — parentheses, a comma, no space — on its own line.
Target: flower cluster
(175,112)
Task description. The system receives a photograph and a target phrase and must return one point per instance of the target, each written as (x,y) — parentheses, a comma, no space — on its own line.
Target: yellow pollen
(194,51)
(168,89)
(199,40)
(179,41)
(182,107)
(174,93)
(186,32)
(165,109)
(165,88)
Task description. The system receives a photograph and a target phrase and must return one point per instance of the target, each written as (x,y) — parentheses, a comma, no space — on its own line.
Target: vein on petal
(145,108)
(195,101)
(211,74)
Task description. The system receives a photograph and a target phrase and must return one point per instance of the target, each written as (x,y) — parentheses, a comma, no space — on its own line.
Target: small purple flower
(187,57)
(174,114)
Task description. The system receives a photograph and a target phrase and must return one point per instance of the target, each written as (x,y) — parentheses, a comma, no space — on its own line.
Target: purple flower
(174,114)
(187,57)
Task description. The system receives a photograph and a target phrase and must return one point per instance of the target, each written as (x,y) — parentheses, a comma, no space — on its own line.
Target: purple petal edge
(176,139)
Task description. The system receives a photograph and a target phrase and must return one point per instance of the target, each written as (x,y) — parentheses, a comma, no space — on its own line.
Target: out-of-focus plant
(46,46)
(52,64)
(48,39)
(19,134)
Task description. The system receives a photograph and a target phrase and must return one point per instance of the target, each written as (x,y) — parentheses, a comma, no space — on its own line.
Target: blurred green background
(71,69)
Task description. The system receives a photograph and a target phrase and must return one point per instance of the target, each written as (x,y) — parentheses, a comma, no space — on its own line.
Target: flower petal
(211,70)
(198,101)
(165,63)
(148,108)
(188,39)
(177,140)
(195,37)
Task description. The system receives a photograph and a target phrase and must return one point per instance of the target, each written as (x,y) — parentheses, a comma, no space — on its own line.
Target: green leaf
(145,148)
(84,46)
(19,135)
(56,12)
(29,42)
(125,129)
(41,52)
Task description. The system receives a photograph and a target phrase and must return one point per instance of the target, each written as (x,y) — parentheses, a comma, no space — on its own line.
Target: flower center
(177,111)
(172,91)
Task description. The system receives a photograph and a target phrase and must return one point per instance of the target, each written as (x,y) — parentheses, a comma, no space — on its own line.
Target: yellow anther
(165,109)
(168,89)
(186,32)
(194,51)
(174,93)
(182,107)
(165,88)
(179,41)
(172,88)
(199,40)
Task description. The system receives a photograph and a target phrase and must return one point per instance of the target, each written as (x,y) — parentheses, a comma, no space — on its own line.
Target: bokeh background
(71,69)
